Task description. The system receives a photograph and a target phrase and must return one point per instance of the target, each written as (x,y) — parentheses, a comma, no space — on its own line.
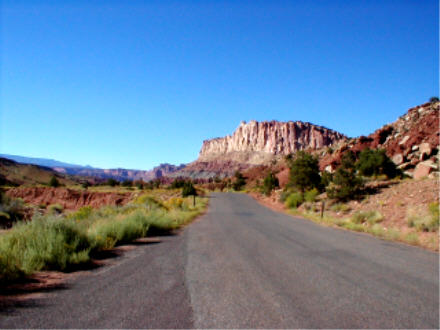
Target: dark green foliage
(376,162)
(112,182)
(270,183)
(53,182)
(433,99)
(239,182)
(346,184)
(85,184)
(11,210)
(304,172)
(127,183)
(326,178)
(188,190)
(139,184)
(177,183)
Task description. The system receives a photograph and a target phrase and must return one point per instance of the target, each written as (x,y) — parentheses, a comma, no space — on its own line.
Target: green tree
(188,189)
(376,162)
(239,182)
(112,182)
(346,184)
(270,183)
(53,182)
(127,183)
(177,183)
(434,99)
(304,172)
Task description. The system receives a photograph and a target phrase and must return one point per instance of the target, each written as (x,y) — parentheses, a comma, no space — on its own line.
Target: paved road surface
(245,266)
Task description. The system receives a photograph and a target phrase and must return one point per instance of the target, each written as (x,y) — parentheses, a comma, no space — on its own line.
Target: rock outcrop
(412,142)
(258,142)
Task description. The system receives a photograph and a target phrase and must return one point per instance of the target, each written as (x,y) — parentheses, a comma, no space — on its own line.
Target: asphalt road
(245,266)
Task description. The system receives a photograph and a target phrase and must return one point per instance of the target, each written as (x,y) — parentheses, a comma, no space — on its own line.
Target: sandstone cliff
(258,142)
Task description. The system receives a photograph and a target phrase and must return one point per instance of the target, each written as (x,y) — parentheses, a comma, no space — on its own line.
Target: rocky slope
(412,142)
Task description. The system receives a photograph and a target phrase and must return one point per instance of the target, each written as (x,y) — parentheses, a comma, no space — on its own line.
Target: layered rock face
(257,142)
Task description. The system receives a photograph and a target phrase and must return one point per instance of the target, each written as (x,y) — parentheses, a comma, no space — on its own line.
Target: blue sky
(136,83)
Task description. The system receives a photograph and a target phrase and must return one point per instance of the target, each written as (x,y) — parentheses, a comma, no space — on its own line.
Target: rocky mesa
(257,142)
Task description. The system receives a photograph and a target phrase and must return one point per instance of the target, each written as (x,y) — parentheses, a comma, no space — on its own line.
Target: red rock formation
(411,139)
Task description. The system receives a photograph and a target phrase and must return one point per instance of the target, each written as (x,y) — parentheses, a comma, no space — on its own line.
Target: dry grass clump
(56,242)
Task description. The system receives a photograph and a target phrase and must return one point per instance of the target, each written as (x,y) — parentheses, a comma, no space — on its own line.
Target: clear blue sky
(136,83)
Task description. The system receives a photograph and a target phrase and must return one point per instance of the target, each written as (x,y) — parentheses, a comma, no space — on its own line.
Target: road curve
(245,266)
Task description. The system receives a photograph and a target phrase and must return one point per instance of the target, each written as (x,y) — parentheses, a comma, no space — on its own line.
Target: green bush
(294,200)
(304,172)
(239,181)
(370,217)
(53,182)
(270,183)
(310,195)
(55,209)
(375,163)
(346,184)
(425,222)
(188,190)
(112,182)
(177,184)
(46,243)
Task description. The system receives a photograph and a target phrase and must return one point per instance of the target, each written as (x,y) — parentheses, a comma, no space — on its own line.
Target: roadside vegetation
(336,199)
(60,240)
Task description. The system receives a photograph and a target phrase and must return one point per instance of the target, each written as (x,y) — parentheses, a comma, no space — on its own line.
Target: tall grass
(56,243)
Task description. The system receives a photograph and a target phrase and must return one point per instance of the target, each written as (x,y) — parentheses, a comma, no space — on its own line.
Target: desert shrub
(304,172)
(421,221)
(55,209)
(175,203)
(270,183)
(346,184)
(310,195)
(177,184)
(188,190)
(370,217)
(11,209)
(107,234)
(127,183)
(53,182)
(294,200)
(376,162)
(81,214)
(434,99)
(326,178)
(46,243)
(239,181)
(341,207)
(149,201)
(85,184)
(112,182)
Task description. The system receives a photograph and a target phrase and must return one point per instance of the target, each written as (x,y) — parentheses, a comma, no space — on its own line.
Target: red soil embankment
(68,198)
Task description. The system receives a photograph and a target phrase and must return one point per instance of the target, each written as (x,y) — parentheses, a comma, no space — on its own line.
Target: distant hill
(13,173)
(120,174)
(41,161)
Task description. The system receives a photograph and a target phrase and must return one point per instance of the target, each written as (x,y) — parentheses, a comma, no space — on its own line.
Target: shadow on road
(29,291)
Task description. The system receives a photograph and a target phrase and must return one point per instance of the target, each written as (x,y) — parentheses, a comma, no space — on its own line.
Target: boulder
(404,140)
(397,159)
(422,169)
(425,149)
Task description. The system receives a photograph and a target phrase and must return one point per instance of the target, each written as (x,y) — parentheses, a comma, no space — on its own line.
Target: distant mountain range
(42,161)
(79,170)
